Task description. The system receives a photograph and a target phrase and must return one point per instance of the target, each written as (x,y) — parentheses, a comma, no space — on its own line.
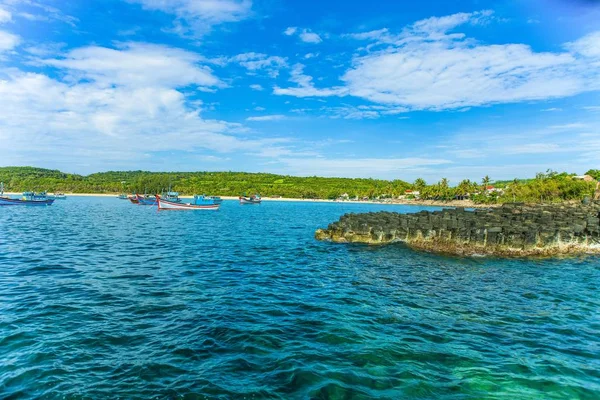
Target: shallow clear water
(100,298)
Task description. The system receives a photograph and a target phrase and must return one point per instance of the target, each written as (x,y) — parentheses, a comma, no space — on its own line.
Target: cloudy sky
(351,88)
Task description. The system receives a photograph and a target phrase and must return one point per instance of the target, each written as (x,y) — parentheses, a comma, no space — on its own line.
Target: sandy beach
(433,203)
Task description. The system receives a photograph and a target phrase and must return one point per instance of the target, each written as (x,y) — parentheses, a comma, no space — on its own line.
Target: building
(586,178)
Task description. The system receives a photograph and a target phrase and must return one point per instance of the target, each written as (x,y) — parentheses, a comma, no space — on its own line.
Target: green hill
(545,187)
(17,179)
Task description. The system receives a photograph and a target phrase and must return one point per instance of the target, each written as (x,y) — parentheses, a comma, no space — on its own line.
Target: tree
(594,173)
(419,184)
(485,182)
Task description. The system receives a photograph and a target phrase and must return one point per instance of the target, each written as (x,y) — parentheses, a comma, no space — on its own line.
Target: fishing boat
(146,200)
(6,201)
(123,196)
(170,205)
(30,200)
(133,199)
(172,197)
(206,200)
(255,199)
(60,196)
(36,196)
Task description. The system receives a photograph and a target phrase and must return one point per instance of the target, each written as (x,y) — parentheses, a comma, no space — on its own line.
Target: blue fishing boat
(36,196)
(145,200)
(173,197)
(29,199)
(203,200)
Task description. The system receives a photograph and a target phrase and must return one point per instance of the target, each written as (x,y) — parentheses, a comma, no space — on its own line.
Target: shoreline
(429,203)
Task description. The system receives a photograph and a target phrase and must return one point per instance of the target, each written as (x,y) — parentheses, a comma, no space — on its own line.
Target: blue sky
(387,89)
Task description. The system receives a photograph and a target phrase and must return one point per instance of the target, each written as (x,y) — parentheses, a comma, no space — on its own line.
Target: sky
(381,89)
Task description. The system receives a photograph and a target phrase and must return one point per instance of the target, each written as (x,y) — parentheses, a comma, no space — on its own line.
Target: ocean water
(100,298)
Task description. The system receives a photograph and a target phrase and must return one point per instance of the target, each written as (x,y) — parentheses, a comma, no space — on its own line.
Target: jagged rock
(511,230)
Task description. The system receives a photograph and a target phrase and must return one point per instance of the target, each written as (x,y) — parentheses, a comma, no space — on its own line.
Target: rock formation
(511,230)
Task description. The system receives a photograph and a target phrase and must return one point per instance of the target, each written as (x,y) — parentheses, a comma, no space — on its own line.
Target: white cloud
(306,35)
(439,25)
(258,108)
(290,31)
(114,107)
(5,16)
(574,125)
(257,87)
(358,167)
(305,86)
(136,64)
(275,117)
(592,108)
(371,35)
(48,13)
(310,37)
(437,75)
(553,109)
(425,67)
(8,41)
(199,16)
(588,46)
(258,61)
(362,111)
(209,158)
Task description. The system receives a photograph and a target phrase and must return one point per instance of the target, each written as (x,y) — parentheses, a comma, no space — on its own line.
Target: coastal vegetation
(546,187)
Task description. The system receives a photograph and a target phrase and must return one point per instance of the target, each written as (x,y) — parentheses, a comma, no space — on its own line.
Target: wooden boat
(29,199)
(172,197)
(60,196)
(145,200)
(250,200)
(133,199)
(170,205)
(203,200)
(123,196)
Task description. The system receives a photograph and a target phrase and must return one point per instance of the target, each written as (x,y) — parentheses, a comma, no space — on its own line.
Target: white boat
(250,200)
(170,205)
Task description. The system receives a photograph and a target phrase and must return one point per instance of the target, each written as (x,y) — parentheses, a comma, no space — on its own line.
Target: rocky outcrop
(511,230)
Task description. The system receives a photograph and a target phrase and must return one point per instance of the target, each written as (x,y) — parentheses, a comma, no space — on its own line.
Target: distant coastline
(431,203)
(549,187)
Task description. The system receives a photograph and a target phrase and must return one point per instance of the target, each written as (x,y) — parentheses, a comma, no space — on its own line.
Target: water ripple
(103,299)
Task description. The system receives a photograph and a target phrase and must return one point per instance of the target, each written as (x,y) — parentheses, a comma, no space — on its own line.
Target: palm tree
(485,181)
(419,184)
(443,188)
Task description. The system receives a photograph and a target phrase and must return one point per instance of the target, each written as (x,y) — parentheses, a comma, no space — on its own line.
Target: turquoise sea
(100,298)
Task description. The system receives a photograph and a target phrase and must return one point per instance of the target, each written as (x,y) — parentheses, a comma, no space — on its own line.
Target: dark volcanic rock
(514,229)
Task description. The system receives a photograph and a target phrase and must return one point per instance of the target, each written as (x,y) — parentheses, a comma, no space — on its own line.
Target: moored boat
(200,200)
(172,197)
(133,199)
(170,205)
(146,200)
(256,199)
(123,196)
(6,201)
(29,199)
(60,196)
(36,196)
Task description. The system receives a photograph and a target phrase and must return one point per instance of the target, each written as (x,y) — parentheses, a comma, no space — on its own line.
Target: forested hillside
(545,187)
(18,179)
